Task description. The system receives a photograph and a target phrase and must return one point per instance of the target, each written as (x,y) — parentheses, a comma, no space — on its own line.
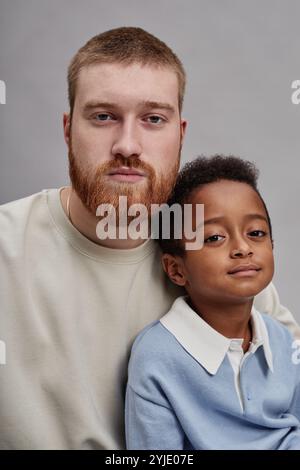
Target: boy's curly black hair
(199,172)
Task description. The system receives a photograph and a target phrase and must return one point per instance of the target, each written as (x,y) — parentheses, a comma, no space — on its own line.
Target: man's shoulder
(18,216)
(21,203)
(15,211)
(279,334)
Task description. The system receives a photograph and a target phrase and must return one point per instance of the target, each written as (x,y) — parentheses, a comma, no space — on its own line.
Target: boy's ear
(173,267)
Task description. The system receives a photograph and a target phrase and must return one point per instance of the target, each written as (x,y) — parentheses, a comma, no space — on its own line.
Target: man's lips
(245,270)
(126,174)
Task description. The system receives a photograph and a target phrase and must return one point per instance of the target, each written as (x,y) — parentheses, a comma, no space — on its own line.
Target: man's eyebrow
(90,105)
(216,220)
(158,105)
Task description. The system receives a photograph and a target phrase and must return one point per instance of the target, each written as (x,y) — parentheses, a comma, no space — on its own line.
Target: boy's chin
(247,292)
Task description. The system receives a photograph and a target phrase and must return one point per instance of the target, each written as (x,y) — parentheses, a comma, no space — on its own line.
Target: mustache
(130,162)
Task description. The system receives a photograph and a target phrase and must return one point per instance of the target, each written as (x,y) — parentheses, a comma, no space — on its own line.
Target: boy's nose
(241,252)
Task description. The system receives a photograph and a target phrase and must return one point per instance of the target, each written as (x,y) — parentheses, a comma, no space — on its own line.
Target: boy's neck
(230,320)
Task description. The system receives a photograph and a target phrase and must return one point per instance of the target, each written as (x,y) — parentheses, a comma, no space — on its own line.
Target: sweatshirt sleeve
(295,359)
(150,425)
(150,419)
(268,302)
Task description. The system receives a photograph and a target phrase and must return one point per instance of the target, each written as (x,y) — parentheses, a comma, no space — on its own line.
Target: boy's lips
(245,270)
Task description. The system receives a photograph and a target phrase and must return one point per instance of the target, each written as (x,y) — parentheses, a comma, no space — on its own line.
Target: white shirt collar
(204,343)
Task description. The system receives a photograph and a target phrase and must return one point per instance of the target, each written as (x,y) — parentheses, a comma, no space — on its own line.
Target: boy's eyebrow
(90,105)
(256,216)
(215,220)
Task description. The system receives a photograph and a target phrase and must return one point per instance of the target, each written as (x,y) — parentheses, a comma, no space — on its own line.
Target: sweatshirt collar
(87,247)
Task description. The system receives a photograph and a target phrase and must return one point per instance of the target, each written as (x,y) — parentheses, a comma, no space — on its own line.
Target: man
(71,304)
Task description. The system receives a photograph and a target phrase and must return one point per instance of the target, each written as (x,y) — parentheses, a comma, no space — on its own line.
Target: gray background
(240,56)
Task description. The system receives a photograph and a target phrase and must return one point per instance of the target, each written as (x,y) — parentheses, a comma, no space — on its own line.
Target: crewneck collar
(85,246)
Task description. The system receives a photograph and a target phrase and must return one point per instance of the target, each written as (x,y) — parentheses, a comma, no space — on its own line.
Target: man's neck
(86,223)
(230,320)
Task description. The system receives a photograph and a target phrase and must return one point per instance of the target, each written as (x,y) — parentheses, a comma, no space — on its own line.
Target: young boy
(214,373)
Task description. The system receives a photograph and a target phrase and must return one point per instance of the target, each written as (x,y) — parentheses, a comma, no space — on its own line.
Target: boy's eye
(214,238)
(257,233)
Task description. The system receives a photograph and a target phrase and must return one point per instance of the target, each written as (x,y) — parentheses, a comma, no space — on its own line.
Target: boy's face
(236,261)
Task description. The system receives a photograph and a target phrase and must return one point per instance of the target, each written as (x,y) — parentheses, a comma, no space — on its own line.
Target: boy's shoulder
(153,340)
(154,351)
(154,360)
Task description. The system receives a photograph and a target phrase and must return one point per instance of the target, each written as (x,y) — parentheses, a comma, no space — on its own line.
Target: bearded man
(72,304)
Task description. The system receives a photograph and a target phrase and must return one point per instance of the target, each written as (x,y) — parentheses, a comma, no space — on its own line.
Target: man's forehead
(111,69)
(142,83)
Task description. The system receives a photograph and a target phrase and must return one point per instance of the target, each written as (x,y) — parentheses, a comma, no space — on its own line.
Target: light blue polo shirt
(183,393)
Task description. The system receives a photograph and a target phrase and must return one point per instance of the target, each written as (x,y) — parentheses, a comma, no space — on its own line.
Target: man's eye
(155,119)
(257,233)
(214,238)
(103,117)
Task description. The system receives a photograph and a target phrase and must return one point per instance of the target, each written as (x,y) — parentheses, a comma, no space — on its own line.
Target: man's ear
(67,127)
(173,267)
(183,125)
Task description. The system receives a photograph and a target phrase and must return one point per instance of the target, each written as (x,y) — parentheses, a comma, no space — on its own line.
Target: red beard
(94,187)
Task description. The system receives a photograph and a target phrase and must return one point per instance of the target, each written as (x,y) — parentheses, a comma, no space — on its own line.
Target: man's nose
(241,249)
(127,142)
